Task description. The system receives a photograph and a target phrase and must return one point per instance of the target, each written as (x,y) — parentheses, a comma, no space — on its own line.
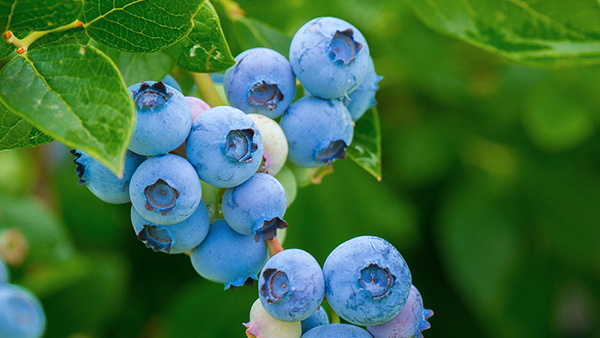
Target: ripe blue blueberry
(175,238)
(224,146)
(363,98)
(163,118)
(261,82)
(336,331)
(291,285)
(367,281)
(165,189)
(101,181)
(318,318)
(329,56)
(21,314)
(228,257)
(4,275)
(318,131)
(256,207)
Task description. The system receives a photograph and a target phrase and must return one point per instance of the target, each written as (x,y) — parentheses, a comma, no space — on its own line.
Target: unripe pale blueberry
(101,181)
(329,56)
(408,323)
(228,257)
(291,285)
(4,275)
(367,281)
(165,189)
(287,179)
(263,325)
(363,98)
(197,106)
(21,314)
(261,82)
(318,131)
(175,238)
(318,318)
(224,146)
(275,147)
(336,331)
(256,207)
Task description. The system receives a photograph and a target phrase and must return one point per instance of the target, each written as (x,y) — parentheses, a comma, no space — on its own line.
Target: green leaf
(72,36)
(136,68)
(365,148)
(138,26)
(15,132)
(250,33)
(205,49)
(536,33)
(37,15)
(6,49)
(74,94)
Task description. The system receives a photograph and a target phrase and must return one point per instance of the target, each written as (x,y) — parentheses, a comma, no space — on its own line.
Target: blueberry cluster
(21,314)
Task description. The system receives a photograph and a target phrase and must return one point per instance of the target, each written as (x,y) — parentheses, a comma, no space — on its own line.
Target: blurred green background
(491,192)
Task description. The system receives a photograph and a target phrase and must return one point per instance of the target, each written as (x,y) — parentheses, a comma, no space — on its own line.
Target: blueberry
(165,189)
(169,80)
(197,106)
(336,331)
(318,131)
(263,325)
(367,281)
(175,238)
(4,274)
(256,207)
(291,285)
(261,82)
(408,323)
(329,56)
(224,146)
(318,318)
(163,118)
(228,257)
(21,314)
(101,181)
(287,179)
(363,98)
(275,146)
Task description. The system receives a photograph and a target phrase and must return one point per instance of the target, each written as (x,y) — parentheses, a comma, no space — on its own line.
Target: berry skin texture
(175,238)
(197,106)
(228,257)
(408,323)
(261,82)
(275,146)
(367,281)
(336,331)
(263,325)
(318,318)
(363,98)
(329,56)
(21,314)
(163,119)
(4,275)
(256,207)
(165,189)
(224,146)
(291,285)
(101,181)
(318,131)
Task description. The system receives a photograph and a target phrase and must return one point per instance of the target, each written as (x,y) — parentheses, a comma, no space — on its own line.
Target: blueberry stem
(335,318)
(274,246)
(23,44)
(207,89)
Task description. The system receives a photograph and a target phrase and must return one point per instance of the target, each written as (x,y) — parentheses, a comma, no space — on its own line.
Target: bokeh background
(490,190)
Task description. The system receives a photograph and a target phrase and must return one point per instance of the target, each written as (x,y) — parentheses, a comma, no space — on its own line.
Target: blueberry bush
(478,163)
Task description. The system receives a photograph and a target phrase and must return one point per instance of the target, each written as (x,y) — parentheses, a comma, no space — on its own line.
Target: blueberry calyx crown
(155,238)
(276,285)
(376,280)
(335,150)
(240,146)
(343,47)
(268,229)
(79,167)
(151,96)
(160,196)
(265,94)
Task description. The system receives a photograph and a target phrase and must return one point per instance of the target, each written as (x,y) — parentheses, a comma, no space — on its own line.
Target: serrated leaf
(15,132)
(136,68)
(138,26)
(543,34)
(71,36)
(74,94)
(205,48)
(365,148)
(37,15)
(252,33)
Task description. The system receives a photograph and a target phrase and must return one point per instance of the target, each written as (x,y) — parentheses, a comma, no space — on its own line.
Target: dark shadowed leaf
(37,15)
(15,132)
